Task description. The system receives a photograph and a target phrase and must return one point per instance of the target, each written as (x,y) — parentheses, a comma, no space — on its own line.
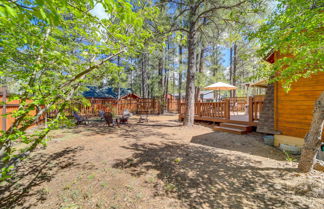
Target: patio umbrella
(260,84)
(220,86)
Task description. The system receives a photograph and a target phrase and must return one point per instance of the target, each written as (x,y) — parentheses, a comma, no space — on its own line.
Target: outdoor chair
(80,119)
(110,119)
(143,111)
(143,119)
(124,118)
(101,114)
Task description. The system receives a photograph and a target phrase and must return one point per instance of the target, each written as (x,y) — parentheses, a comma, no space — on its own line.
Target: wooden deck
(227,111)
(238,119)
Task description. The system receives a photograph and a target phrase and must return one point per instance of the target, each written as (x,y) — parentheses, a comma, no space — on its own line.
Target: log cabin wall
(294,110)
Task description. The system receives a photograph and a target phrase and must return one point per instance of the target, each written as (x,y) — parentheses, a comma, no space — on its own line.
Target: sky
(226,56)
(99,12)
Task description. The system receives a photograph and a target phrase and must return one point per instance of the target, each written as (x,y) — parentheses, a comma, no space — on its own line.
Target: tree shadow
(132,130)
(201,177)
(251,144)
(33,172)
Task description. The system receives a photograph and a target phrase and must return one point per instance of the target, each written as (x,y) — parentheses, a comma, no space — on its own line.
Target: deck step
(237,126)
(230,130)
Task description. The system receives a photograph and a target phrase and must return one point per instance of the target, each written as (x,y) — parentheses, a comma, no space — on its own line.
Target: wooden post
(169,101)
(256,110)
(179,105)
(198,106)
(183,108)
(250,109)
(158,103)
(227,109)
(4,108)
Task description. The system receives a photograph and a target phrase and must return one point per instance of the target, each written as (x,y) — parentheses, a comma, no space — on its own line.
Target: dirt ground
(159,164)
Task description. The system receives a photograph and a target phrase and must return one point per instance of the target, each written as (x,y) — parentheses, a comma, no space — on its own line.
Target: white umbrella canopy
(220,86)
(260,84)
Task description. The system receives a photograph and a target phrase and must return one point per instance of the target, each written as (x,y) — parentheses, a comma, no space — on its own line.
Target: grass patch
(170,187)
(91,177)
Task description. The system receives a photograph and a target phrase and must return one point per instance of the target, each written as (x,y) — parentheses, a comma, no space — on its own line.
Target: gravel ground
(159,164)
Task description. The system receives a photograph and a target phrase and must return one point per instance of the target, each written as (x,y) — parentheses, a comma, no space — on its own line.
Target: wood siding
(294,110)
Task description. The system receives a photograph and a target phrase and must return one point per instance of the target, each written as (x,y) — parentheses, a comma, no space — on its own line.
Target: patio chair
(110,119)
(80,119)
(143,110)
(101,114)
(124,118)
(143,119)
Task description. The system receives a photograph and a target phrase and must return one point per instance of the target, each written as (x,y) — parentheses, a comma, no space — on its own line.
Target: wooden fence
(7,118)
(173,105)
(6,109)
(220,110)
(136,106)
(106,105)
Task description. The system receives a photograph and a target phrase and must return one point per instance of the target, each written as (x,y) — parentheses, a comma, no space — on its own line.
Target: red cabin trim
(130,96)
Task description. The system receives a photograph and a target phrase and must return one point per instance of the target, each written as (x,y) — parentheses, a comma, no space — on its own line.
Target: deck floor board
(239,118)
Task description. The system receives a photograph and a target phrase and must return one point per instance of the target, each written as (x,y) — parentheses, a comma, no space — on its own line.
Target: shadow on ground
(132,130)
(32,173)
(249,144)
(201,177)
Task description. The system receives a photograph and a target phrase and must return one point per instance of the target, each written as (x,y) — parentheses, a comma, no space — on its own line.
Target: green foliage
(50,50)
(289,158)
(201,79)
(295,30)
(177,160)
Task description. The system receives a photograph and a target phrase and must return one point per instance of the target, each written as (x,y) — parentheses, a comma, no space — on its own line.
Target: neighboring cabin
(95,92)
(289,115)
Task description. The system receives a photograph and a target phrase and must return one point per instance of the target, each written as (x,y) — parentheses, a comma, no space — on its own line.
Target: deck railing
(214,109)
(210,109)
(238,104)
(255,108)
(223,109)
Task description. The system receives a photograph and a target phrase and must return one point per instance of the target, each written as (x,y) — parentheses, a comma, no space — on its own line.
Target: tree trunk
(180,75)
(161,87)
(234,68)
(197,56)
(132,81)
(132,78)
(166,75)
(200,70)
(214,61)
(144,76)
(230,68)
(160,66)
(313,137)
(173,78)
(190,88)
(118,84)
